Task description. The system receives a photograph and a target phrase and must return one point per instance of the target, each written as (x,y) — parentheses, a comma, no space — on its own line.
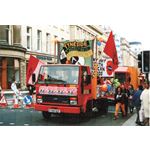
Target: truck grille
(56,99)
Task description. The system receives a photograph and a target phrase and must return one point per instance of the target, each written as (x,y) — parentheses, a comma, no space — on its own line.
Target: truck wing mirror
(33,77)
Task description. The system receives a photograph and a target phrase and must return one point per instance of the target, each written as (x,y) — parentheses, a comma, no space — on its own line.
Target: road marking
(26,124)
(11,123)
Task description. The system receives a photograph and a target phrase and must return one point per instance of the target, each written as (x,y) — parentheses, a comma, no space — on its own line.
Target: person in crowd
(125,94)
(31,89)
(137,103)
(119,100)
(14,88)
(16,92)
(145,105)
(130,95)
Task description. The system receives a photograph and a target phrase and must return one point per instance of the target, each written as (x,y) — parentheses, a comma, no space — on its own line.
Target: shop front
(12,66)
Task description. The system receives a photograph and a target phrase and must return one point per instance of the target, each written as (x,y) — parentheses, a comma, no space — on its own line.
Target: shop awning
(122,69)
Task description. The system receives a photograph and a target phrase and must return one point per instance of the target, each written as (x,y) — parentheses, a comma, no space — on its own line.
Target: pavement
(131,121)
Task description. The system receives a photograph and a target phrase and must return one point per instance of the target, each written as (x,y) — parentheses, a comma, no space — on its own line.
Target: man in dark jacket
(125,94)
(130,96)
(137,102)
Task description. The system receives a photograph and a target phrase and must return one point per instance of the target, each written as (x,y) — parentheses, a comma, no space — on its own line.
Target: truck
(124,75)
(67,88)
(127,75)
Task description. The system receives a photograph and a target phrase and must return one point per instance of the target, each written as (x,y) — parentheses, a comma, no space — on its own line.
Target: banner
(69,49)
(52,90)
(107,70)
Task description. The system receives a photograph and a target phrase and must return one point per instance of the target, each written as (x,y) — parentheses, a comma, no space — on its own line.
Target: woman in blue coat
(137,102)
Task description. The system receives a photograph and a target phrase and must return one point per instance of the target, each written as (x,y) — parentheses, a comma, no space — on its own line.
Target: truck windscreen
(58,75)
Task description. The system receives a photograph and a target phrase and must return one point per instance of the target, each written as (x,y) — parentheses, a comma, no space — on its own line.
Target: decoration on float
(52,90)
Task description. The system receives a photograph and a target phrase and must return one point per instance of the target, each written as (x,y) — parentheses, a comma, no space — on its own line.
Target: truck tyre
(46,115)
(103,107)
(88,112)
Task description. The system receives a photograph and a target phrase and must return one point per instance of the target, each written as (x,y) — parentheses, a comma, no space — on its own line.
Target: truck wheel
(46,115)
(88,112)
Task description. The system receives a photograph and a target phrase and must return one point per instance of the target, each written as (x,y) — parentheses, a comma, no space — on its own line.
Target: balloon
(109,87)
(116,83)
(100,39)
(104,88)
(98,43)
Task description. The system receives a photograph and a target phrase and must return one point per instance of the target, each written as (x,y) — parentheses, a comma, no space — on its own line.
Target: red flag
(33,67)
(110,50)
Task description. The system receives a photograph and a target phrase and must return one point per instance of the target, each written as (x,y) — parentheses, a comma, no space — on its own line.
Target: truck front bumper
(58,109)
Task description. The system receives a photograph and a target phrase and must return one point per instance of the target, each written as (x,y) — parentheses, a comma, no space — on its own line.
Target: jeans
(137,112)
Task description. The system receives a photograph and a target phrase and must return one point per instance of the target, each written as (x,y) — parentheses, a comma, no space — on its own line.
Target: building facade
(17,42)
(12,56)
(41,41)
(90,32)
(129,58)
(136,47)
(118,49)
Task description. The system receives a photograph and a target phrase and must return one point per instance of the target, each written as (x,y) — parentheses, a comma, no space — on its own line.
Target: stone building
(17,42)
(129,57)
(12,56)
(90,32)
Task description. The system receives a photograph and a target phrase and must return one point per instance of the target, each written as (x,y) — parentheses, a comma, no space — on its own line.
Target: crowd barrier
(9,100)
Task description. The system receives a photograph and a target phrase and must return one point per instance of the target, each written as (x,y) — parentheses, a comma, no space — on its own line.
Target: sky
(127,18)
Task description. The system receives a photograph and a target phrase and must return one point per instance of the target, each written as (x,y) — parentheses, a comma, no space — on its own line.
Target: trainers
(124,116)
(140,123)
(115,117)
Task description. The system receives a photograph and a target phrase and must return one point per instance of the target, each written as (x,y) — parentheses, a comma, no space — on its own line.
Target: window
(9,71)
(8,36)
(84,34)
(48,42)
(39,40)
(29,38)
(78,34)
(13,71)
(56,45)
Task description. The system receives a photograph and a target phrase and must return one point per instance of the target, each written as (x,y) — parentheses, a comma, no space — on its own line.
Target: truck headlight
(39,100)
(73,101)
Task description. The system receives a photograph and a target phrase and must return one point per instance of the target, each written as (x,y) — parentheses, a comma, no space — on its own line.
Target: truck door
(85,81)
